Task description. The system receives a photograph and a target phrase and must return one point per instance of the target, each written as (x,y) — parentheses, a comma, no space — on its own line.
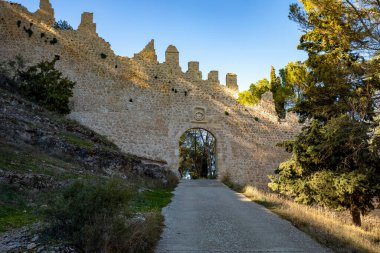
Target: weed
(151,200)
(78,141)
(13,217)
(53,41)
(29,31)
(13,210)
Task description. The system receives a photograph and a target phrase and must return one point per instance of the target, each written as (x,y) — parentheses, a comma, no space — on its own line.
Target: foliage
(77,141)
(90,213)
(13,210)
(97,216)
(284,88)
(44,85)
(246,98)
(53,41)
(332,165)
(335,159)
(253,95)
(29,31)
(197,149)
(152,199)
(62,25)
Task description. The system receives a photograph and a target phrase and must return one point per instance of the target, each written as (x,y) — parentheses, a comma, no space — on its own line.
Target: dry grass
(330,228)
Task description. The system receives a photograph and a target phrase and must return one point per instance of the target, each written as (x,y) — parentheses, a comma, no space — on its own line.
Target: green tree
(293,76)
(44,85)
(335,159)
(280,92)
(62,25)
(197,154)
(285,88)
(256,90)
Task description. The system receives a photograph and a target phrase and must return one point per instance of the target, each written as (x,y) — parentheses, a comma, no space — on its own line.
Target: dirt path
(206,216)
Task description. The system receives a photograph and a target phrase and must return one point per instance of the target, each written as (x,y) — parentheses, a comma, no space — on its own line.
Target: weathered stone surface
(145,106)
(24,124)
(27,180)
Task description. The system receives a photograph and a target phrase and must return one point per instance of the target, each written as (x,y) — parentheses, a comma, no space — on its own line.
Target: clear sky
(241,36)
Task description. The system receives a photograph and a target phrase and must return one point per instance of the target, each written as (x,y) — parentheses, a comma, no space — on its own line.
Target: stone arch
(221,145)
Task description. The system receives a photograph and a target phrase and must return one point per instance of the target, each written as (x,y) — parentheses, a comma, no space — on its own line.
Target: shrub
(92,214)
(29,31)
(44,85)
(62,25)
(103,55)
(54,41)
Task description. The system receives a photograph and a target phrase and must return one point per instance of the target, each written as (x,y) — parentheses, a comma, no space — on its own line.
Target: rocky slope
(42,152)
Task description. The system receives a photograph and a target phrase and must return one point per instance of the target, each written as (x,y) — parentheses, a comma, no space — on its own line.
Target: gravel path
(206,216)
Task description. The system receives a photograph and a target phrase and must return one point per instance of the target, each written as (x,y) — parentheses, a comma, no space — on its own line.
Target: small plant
(19,23)
(226,113)
(62,25)
(54,41)
(131,100)
(28,31)
(103,56)
(42,35)
(257,119)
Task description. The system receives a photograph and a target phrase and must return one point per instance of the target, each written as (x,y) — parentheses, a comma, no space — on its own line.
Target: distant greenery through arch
(197,151)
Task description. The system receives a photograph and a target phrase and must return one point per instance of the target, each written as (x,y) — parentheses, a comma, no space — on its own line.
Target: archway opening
(197,154)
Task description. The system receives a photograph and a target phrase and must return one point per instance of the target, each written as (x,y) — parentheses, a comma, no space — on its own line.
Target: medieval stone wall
(145,106)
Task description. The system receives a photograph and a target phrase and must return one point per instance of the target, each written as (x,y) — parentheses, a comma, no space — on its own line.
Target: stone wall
(145,106)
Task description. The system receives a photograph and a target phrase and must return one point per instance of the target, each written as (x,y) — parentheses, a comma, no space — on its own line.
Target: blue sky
(241,36)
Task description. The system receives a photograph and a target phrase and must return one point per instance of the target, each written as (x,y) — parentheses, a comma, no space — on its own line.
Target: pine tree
(335,160)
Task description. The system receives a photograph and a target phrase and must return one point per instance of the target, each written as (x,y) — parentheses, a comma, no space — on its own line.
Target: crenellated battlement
(87,24)
(144,106)
(213,77)
(148,53)
(193,70)
(46,12)
(86,31)
(231,81)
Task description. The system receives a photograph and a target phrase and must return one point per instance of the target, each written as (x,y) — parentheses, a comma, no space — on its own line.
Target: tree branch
(362,21)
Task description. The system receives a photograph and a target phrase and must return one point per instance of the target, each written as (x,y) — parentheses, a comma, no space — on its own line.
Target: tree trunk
(355,214)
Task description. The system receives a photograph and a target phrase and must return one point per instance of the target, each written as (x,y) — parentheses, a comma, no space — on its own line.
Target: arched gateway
(197,154)
(145,106)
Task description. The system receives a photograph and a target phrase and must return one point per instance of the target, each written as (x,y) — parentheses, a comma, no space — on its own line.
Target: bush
(96,216)
(62,25)
(93,215)
(44,85)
